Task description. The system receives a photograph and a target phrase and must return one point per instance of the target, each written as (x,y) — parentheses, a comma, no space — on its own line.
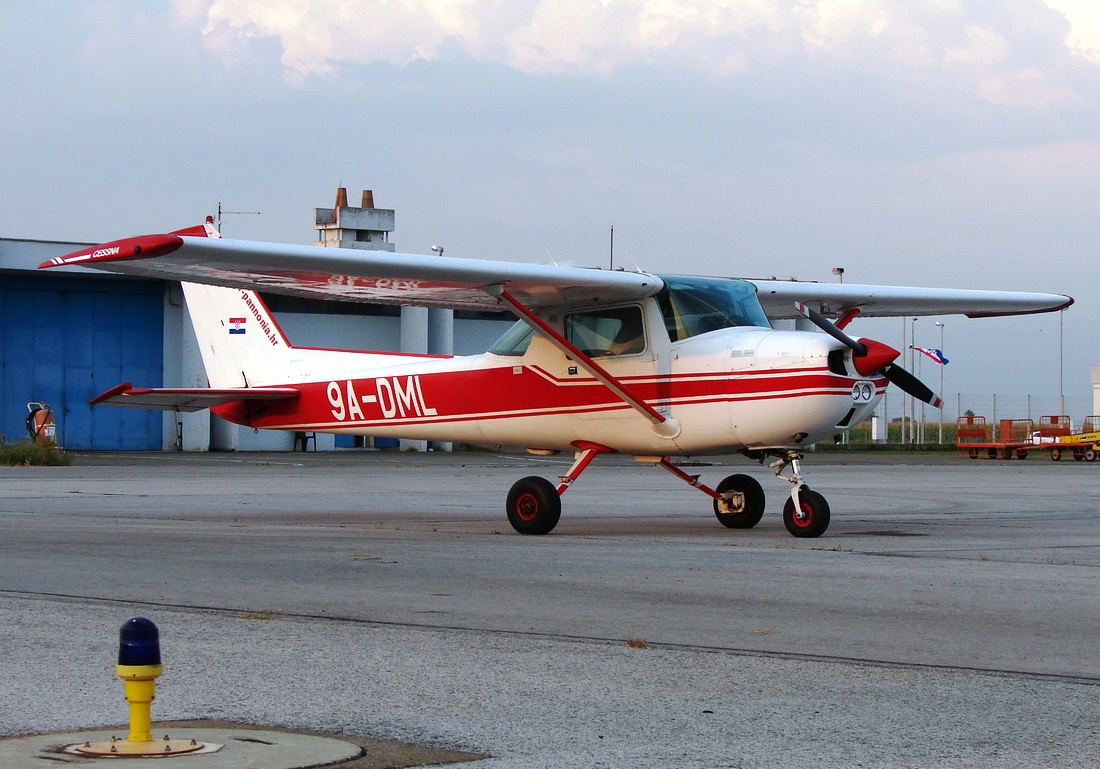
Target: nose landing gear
(806,513)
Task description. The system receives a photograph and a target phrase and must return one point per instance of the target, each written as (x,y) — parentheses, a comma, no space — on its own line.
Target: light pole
(904,395)
(941,382)
(1061,362)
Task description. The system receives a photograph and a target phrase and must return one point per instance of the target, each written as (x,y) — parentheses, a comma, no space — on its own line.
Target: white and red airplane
(599,362)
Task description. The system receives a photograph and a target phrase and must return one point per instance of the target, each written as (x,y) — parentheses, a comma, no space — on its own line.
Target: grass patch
(25,454)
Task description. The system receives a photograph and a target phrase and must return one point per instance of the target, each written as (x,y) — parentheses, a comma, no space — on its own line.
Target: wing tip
(104,396)
(1056,308)
(141,247)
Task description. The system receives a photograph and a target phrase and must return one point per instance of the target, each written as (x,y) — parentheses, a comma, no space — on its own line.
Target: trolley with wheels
(976,438)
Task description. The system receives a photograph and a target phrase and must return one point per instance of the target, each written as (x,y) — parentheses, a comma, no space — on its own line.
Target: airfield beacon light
(139,667)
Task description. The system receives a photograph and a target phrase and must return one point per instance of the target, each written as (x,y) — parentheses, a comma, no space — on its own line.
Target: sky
(937,143)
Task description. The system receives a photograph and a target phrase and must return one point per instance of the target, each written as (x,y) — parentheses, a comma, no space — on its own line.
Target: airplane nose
(877,357)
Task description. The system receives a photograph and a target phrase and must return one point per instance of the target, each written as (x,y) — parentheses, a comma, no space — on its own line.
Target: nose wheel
(805,513)
(809,516)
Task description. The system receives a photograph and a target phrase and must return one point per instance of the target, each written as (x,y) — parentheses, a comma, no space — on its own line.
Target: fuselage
(729,383)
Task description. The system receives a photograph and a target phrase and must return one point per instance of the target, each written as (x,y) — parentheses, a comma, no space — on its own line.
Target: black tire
(534,506)
(753,509)
(1055,454)
(815,514)
(1090,455)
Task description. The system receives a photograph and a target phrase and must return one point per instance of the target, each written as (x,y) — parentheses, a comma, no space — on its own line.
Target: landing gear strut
(534,503)
(805,513)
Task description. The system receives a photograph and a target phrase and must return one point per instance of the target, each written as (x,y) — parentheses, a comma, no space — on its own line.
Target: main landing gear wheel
(751,510)
(813,518)
(534,506)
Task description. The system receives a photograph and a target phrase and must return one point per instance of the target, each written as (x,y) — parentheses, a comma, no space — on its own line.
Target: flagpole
(942,367)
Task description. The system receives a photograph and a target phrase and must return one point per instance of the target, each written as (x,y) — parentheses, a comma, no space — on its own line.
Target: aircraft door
(624,343)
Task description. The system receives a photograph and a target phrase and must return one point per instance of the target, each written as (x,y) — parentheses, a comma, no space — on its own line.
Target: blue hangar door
(64,340)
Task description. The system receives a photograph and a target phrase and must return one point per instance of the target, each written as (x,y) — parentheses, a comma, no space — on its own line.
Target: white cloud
(1007,57)
(837,26)
(1083,16)
(983,47)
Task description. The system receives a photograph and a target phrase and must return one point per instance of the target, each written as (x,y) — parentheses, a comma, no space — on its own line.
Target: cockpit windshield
(689,306)
(693,306)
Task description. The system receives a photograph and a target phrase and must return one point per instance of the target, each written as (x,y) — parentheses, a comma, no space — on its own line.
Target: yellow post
(139,666)
(140,685)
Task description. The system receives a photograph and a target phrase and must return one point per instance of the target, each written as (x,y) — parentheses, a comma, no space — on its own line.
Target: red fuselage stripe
(513,392)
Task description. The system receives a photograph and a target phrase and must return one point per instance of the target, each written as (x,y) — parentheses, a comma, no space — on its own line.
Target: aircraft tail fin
(240,340)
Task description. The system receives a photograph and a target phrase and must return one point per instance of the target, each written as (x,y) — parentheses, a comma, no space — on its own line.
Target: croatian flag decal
(236,325)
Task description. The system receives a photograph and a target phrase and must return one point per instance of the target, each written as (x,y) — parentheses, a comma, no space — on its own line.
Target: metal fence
(901,419)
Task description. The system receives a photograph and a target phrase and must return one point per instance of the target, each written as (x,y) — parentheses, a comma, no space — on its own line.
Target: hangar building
(70,333)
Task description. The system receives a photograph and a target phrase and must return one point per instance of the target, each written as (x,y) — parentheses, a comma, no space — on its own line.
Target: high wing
(435,281)
(779,297)
(381,277)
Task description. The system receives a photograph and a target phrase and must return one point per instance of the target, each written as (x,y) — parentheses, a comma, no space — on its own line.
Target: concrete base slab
(241,747)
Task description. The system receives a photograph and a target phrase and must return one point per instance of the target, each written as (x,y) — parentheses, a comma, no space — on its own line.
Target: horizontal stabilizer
(186,398)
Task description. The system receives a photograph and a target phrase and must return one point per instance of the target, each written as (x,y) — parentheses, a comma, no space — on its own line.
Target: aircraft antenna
(547,250)
(611,258)
(220,212)
(630,256)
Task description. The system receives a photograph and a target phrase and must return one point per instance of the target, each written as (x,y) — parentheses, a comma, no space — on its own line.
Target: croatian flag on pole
(934,354)
(236,325)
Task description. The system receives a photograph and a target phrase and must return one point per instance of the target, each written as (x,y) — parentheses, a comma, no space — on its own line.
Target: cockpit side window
(610,331)
(514,341)
(693,306)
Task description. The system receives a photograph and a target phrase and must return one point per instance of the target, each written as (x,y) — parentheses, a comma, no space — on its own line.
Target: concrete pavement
(949,616)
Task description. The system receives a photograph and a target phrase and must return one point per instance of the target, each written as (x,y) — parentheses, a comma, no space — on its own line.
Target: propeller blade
(910,384)
(829,328)
(871,357)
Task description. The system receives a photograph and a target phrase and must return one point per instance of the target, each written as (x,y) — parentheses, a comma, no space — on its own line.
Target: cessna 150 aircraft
(599,361)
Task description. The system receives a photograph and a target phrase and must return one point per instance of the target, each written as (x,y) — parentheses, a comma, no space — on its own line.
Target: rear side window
(611,331)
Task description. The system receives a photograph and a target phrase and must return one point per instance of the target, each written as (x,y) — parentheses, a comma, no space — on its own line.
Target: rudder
(239,339)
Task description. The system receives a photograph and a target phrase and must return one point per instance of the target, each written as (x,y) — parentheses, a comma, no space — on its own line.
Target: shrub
(25,453)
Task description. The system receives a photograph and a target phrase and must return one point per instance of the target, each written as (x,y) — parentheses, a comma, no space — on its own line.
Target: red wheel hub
(527,507)
(804,517)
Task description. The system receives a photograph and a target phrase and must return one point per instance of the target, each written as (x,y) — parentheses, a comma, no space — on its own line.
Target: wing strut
(663,425)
